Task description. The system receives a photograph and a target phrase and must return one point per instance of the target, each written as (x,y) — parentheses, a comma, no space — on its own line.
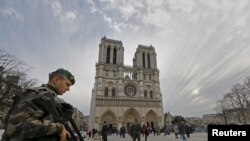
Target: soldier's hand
(64,135)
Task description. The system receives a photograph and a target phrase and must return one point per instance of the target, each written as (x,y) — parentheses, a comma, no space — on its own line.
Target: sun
(195,91)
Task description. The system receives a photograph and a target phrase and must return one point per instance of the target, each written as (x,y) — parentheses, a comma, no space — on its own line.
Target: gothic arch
(148,87)
(130,115)
(114,92)
(149,61)
(109,88)
(150,91)
(109,117)
(106,91)
(114,55)
(143,60)
(151,94)
(108,55)
(145,93)
(151,116)
(111,84)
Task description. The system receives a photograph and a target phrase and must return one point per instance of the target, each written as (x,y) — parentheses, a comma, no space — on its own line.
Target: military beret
(65,73)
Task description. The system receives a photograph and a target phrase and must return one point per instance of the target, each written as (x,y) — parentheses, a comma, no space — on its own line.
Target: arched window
(145,93)
(151,94)
(106,93)
(143,60)
(114,56)
(134,75)
(108,55)
(148,61)
(113,92)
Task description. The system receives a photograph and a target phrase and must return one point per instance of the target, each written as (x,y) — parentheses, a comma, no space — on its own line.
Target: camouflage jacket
(26,121)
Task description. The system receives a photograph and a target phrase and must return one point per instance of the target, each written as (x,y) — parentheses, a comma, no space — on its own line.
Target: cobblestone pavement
(171,137)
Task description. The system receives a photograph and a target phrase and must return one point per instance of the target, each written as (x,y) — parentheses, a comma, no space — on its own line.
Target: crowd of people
(180,130)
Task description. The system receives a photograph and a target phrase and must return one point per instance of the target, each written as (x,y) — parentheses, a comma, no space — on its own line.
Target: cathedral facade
(123,94)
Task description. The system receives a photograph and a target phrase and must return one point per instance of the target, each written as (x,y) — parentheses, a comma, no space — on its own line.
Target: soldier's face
(62,85)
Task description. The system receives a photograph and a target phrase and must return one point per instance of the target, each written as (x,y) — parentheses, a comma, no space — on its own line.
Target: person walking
(176,131)
(122,131)
(166,131)
(183,130)
(188,130)
(145,131)
(105,131)
(136,131)
(27,121)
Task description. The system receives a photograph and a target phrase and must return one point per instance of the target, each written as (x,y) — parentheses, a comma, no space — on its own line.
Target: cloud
(182,5)
(92,6)
(158,18)
(69,20)
(56,8)
(202,46)
(9,12)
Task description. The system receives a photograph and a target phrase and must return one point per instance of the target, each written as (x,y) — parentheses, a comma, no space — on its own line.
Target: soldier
(136,131)
(27,122)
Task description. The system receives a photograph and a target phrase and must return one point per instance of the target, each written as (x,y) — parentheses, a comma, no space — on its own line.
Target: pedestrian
(154,130)
(136,131)
(122,132)
(145,131)
(105,131)
(176,131)
(26,121)
(188,130)
(166,131)
(183,130)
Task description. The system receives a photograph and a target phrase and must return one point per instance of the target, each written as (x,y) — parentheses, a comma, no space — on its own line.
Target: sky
(202,46)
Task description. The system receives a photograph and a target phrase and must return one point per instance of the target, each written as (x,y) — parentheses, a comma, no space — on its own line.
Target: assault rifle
(61,112)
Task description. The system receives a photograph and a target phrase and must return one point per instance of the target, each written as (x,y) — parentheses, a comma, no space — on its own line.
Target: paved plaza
(171,137)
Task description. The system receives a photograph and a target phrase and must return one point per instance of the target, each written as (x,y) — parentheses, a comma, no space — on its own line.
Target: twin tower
(123,94)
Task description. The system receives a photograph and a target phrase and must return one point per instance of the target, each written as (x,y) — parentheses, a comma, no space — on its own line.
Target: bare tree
(238,96)
(247,87)
(232,108)
(221,106)
(236,103)
(13,78)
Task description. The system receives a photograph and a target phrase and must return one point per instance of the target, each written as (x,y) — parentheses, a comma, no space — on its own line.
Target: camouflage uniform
(27,122)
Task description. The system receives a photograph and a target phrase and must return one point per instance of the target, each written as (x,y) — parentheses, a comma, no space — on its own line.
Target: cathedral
(123,94)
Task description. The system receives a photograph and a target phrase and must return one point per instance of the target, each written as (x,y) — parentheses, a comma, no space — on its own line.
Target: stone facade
(122,93)
(168,118)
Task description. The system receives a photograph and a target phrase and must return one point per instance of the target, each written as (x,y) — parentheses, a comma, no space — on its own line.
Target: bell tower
(145,57)
(110,52)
